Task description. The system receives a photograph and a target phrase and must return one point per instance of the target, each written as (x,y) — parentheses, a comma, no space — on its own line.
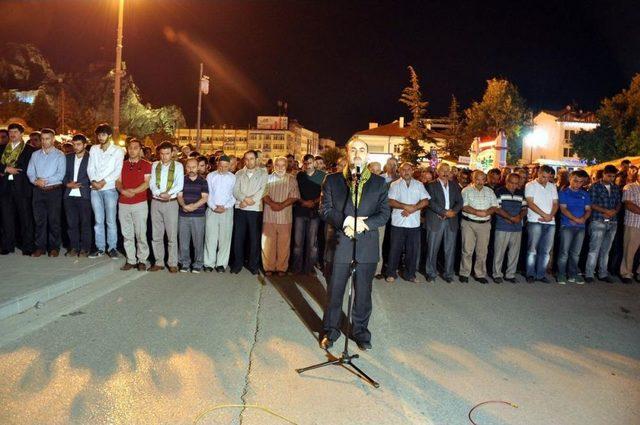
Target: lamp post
(118,73)
(537,137)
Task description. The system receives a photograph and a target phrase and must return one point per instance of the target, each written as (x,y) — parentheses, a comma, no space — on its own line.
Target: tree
(412,149)
(12,107)
(595,146)
(41,113)
(501,108)
(332,155)
(455,144)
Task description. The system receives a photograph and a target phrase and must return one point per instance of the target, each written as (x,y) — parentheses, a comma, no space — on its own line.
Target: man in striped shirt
(282,191)
(511,211)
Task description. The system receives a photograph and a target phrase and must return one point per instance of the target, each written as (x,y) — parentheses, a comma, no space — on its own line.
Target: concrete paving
(165,349)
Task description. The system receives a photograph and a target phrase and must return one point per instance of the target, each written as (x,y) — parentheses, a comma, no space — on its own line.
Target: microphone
(356,171)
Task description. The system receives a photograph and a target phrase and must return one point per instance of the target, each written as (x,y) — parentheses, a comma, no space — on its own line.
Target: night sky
(341,64)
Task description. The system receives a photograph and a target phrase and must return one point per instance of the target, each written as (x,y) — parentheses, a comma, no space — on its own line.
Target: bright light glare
(538,137)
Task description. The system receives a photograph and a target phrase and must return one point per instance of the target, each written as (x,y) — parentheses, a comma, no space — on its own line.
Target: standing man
(339,193)
(282,192)
(631,200)
(319,163)
(46,171)
(510,214)
(575,206)
(16,191)
(167,180)
(191,220)
(105,165)
(219,216)
(606,203)
(407,198)
(479,204)
(306,219)
(441,222)
(249,189)
(35,140)
(542,200)
(133,207)
(203,166)
(77,199)
(391,170)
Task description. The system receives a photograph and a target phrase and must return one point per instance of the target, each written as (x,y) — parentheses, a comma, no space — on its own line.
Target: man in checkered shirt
(631,242)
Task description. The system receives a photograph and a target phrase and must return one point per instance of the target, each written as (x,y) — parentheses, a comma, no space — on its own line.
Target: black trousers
(405,240)
(246,228)
(14,204)
(361,301)
(47,210)
(79,226)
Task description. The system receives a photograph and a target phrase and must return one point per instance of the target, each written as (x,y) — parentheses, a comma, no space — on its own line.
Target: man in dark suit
(16,191)
(337,209)
(77,199)
(442,223)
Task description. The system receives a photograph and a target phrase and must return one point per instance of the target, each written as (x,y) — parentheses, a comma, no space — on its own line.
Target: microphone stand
(345,358)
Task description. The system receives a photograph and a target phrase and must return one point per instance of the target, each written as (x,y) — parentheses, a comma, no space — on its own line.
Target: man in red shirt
(133,210)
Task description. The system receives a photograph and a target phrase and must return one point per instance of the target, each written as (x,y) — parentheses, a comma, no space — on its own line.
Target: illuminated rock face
(88,94)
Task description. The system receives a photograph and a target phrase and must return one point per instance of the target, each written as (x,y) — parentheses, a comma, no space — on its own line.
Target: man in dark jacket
(16,191)
(339,193)
(77,199)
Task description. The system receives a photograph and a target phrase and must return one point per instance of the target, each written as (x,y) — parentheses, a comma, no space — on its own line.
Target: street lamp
(118,72)
(538,137)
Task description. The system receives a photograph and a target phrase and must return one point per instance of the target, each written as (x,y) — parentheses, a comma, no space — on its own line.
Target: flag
(204,85)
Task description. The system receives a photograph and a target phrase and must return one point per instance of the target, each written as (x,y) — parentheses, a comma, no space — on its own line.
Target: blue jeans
(540,244)
(571,238)
(305,244)
(601,236)
(105,206)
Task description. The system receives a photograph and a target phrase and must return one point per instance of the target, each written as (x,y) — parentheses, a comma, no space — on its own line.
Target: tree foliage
(455,144)
(412,149)
(502,108)
(11,106)
(41,113)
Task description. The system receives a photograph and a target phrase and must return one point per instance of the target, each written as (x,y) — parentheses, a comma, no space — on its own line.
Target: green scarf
(366,174)
(170,177)
(10,155)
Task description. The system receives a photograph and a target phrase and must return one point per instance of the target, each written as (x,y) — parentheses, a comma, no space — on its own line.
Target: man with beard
(191,220)
(16,191)
(77,199)
(339,195)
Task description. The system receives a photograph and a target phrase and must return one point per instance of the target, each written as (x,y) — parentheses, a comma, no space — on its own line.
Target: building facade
(553,131)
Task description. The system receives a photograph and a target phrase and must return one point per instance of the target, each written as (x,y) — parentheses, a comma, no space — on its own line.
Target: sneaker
(608,279)
(184,270)
(545,280)
(83,254)
(113,254)
(196,271)
(390,279)
(96,254)
(71,253)
(530,279)
(220,269)
(561,279)
(588,279)
(578,280)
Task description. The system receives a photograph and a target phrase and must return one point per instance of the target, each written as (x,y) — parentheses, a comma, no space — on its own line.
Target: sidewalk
(27,281)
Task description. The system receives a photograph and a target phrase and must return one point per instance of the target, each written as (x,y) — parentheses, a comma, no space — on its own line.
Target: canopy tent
(635,160)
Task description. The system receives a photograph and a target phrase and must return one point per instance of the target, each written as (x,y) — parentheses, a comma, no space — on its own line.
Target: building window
(568,152)
(397,148)
(567,136)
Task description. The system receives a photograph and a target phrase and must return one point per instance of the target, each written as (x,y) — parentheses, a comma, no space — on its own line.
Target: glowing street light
(538,137)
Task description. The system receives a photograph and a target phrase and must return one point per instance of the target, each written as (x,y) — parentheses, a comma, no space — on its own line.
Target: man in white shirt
(249,189)
(407,197)
(542,200)
(478,205)
(105,165)
(167,180)
(219,217)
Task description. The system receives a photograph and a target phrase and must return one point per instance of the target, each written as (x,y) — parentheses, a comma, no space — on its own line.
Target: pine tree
(455,144)
(412,149)
(41,113)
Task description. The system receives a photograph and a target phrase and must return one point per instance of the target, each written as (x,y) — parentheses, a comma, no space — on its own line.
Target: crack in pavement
(245,389)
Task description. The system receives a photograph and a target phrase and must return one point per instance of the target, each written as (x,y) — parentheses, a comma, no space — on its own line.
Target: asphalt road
(165,349)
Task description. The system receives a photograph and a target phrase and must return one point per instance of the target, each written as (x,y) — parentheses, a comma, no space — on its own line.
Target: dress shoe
(326,343)
(510,279)
(37,253)
(54,253)
(281,274)
(530,279)
(482,280)
(141,267)
(127,266)
(379,276)
(545,280)
(173,269)
(27,253)
(6,251)
(208,269)
(234,271)
(497,280)
(268,273)
(627,280)
(464,279)
(390,279)
(83,254)
(113,254)
(220,269)
(71,253)
(155,268)
(254,272)
(363,345)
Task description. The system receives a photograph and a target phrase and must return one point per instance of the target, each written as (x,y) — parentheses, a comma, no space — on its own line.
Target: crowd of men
(175,209)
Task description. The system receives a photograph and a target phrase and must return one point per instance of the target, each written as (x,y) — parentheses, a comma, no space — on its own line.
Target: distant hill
(88,96)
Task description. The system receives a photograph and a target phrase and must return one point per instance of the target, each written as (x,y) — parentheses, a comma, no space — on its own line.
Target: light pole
(203,88)
(118,73)
(537,137)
